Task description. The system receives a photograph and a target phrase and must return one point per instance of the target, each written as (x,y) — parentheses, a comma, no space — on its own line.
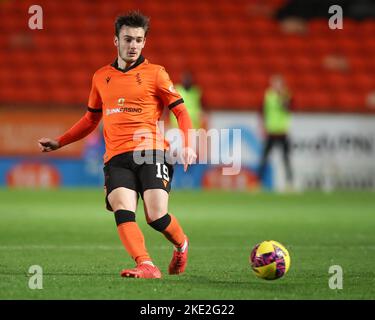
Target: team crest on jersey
(121,102)
(138,78)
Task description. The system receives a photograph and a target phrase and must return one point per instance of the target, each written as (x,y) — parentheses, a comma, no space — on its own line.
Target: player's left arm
(175,103)
(185,124)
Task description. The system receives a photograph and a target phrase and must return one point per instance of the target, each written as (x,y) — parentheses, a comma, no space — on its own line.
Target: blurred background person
(276,124)
(192,95)
(191,92)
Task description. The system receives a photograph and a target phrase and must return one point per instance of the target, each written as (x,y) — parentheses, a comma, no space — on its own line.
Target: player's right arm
(82,128)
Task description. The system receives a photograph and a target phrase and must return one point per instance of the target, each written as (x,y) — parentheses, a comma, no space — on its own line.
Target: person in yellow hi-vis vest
(276,124)
(192,96)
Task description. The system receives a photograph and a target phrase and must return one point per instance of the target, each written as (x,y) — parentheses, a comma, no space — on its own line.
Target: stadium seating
(231,50)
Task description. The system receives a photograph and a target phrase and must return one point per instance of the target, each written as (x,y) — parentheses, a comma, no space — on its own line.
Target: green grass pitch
(74,239)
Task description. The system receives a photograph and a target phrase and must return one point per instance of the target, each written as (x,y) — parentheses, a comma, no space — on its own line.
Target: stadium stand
(231,46)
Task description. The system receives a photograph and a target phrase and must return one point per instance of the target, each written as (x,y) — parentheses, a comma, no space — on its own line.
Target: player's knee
(123,216)
(162,223)
(157,208)
(120,204)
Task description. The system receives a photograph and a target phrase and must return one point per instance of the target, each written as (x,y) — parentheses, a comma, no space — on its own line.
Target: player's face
(277,83)
(130,43)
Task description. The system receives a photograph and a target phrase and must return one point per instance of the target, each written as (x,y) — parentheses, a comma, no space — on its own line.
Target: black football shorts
(138,171)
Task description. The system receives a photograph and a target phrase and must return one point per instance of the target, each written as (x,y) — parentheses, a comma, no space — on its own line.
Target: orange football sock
(132,238)
(174,232)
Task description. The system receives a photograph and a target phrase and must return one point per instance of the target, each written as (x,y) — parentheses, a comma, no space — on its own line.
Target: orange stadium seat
(356,62)
(35,93)
(296,44)
(351,28)
(368,46)
(309,81)
(200,9)
(318,26)
(349,101)
(263,26)
(304,63)
(313,100)
(364,81)
(277,63)
(245,99)
(257,80)
(321,45)
(270,45)
(348,46)
(9,93)
(367,28)
(340,80)
(215,99)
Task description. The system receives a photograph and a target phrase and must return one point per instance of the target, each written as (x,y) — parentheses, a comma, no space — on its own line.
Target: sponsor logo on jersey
(123,109)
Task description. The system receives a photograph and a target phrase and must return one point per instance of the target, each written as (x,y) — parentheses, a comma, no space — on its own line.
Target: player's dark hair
(134,19)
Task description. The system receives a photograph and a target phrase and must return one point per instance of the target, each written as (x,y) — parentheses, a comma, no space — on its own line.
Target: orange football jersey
(131,102)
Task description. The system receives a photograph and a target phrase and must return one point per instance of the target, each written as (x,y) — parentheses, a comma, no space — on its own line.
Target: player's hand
(188,157)
(47,144)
